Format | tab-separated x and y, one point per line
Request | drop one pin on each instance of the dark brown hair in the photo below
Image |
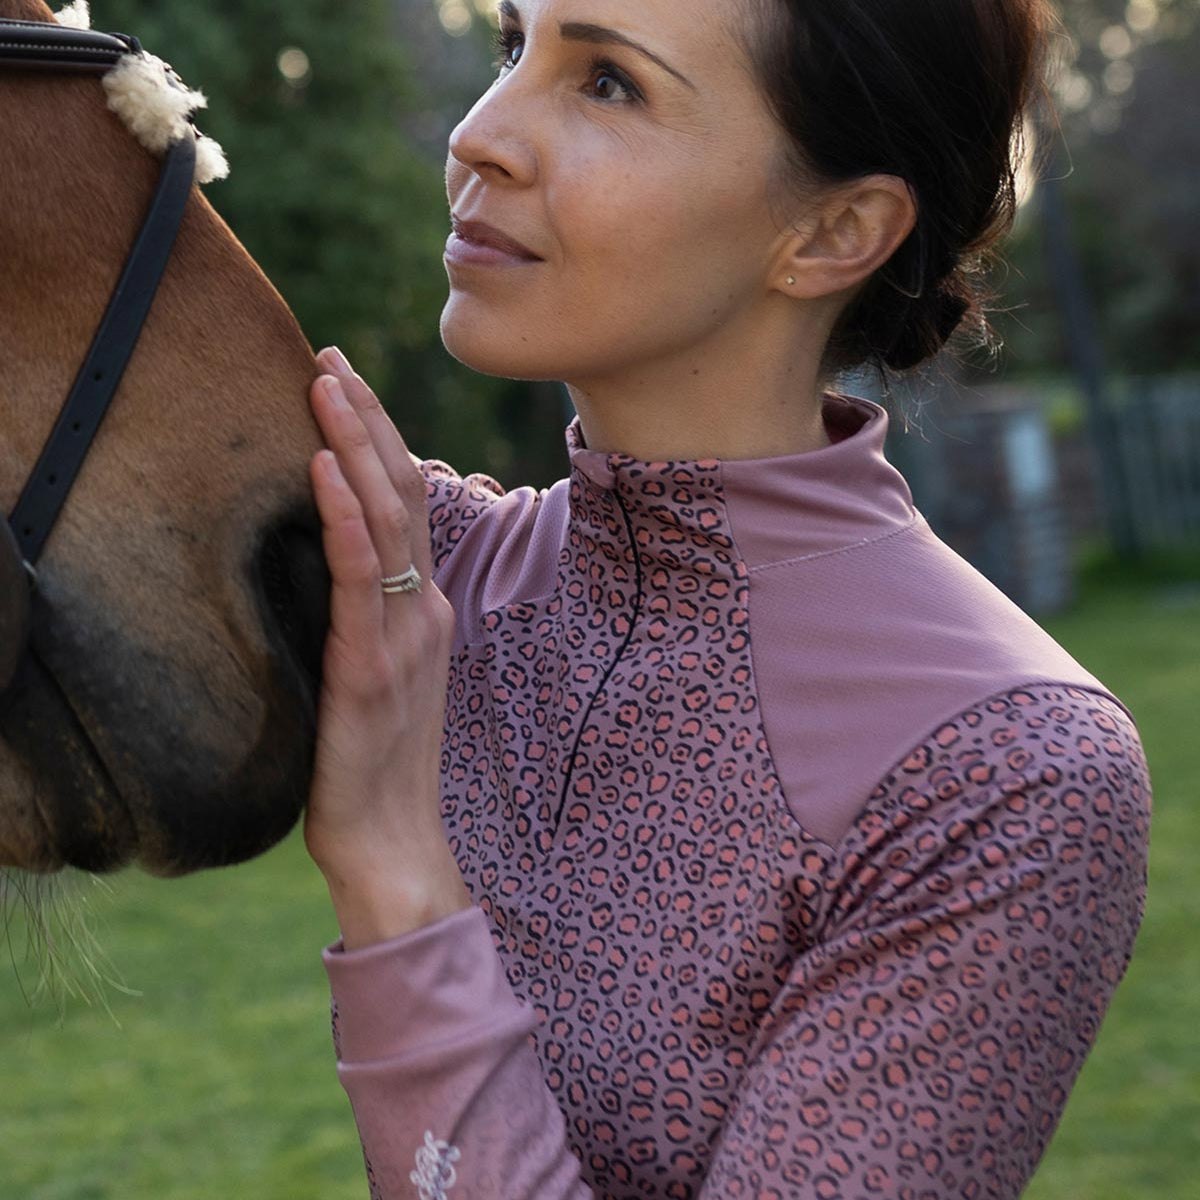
933	92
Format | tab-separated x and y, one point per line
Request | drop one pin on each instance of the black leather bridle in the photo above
32	45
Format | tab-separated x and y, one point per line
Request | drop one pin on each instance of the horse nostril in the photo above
295	585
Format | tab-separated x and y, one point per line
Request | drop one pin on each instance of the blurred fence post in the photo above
1159	423
985	476
1079	328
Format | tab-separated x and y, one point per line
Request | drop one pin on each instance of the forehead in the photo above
683	23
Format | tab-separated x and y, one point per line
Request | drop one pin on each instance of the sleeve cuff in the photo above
429	986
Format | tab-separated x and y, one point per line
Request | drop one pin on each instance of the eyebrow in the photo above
598	35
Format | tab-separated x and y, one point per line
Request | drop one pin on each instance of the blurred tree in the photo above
1128	92
452	44
328	190
335	119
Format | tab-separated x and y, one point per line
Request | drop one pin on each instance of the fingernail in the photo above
338	361
333	390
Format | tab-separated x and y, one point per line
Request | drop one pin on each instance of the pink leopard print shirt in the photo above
806	865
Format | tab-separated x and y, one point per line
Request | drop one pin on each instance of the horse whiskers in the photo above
47	922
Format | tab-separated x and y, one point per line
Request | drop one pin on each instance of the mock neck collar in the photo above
791	506
846	418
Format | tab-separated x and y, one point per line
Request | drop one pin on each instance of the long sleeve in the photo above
976	920
446	1088
985	909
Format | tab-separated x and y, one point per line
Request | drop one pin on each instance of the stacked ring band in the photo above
410	581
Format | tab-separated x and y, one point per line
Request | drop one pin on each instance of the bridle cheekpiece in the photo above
38	46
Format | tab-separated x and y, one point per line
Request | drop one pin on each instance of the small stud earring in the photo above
791	280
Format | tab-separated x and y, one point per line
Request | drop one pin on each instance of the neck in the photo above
73	194
737	396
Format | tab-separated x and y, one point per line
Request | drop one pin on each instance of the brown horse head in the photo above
165	709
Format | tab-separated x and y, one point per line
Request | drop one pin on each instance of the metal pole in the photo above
1087	357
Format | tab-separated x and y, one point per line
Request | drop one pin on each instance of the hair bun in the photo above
948	313
928	323
933	93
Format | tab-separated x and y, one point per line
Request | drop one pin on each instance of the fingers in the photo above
400	465
383	508
356	600
396	456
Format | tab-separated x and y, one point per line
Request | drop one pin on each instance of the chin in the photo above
491	345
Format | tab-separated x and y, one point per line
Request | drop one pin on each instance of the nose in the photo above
294	586
494	140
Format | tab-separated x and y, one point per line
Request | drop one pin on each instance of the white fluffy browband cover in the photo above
153	102
156	110
75	16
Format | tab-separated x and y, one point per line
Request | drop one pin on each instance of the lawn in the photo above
218	1083
1132	1128
214	1079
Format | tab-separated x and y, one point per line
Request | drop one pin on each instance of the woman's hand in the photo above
372	824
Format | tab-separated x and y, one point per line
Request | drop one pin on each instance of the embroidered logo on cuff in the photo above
435	1174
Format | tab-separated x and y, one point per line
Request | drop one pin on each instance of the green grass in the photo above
1132	1128
218	1081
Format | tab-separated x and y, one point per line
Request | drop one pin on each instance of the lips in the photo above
479	233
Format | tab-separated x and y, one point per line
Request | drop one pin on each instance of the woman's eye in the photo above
609	84
509	46
606	81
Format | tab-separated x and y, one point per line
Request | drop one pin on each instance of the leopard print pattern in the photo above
728	1006
979	916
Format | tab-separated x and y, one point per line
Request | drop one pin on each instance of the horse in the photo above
164	709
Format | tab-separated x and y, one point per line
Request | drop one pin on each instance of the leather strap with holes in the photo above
46	491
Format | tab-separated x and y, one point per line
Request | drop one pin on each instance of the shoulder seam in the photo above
477	637
930	730
916	520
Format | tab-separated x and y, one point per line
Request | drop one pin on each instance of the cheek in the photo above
650	250
660	222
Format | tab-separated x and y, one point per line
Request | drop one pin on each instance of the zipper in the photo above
633	620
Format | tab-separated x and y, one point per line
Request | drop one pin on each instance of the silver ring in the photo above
410	581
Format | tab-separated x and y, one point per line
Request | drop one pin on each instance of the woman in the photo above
777	853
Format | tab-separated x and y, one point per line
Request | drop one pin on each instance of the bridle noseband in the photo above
30	45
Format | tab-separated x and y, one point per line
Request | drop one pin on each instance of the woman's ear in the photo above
845	237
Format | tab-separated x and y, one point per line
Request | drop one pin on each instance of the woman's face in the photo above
627	147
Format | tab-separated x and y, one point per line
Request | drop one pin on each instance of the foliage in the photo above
1128	156
346	214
